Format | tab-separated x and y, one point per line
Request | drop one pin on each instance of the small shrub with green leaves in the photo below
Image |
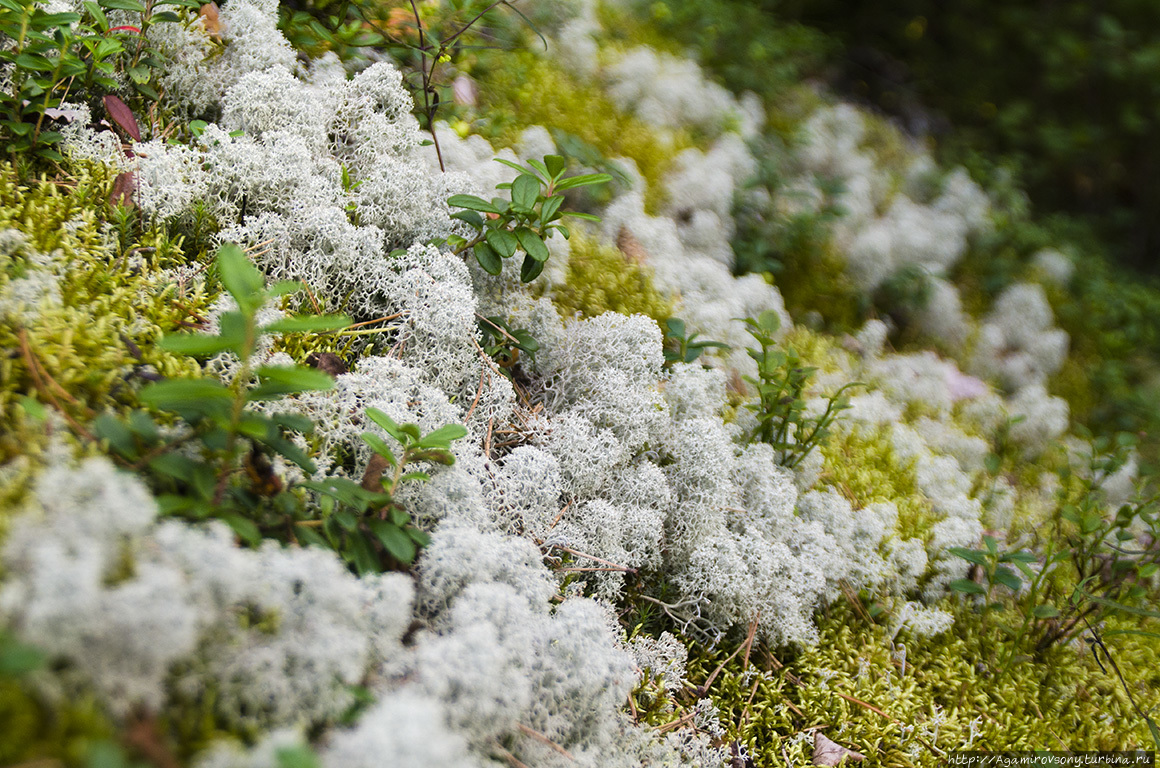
504	345
230	476
682	347
56	55
523	223
781	383
364	521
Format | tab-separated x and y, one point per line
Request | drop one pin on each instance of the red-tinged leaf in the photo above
122	116
126	28
123	188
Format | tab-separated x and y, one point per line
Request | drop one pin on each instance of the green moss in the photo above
602	279
36	731
812	277
889	147
521	89
85	353
862	465
949	694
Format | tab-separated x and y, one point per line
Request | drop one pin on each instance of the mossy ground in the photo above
908	701
521	89
601	279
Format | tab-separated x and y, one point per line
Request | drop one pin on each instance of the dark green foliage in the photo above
231	477
781	385
1065	93
504	345
680	348
523	223
57	56
364	522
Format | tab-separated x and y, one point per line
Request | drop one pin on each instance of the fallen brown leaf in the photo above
828	752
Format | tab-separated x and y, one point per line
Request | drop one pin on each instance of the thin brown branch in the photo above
592	557
746	645
543	740
560	515
511	759
478	394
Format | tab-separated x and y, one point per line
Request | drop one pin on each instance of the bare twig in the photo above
560	515
704	687
592	557
543	740
511	759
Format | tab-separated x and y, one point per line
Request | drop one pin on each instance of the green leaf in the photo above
549	209
970	555
308	324
442	437
471	217
555	165
295	422
532	244
35	62
282	287
309	536
120	437
769	322
436	455
1045	612
509	164
578	215
57	19
285	448
471	202
1025	569
582	181
359	553
296	757
278	380
530	269
18	128
525	190
199	345
386	422
123	5
175	394
504	242
419	537
967	586
241	278
105	754
1007	578
256	426
399	544
540	168
488	258
245	528
174	465
17	659
379	446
